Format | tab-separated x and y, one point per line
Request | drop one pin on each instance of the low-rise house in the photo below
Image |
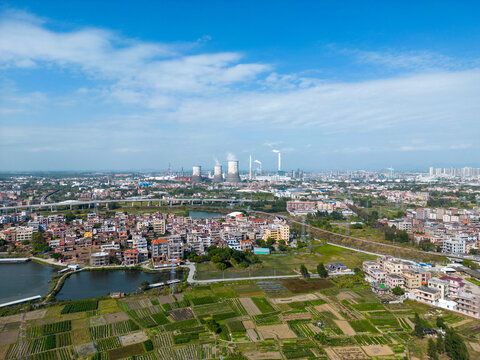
337	267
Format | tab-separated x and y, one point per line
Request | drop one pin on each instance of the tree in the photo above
56	256
69	216
432	350
39	244
440	344
144	285
473	252
455	346
304	271
419	326
221	266
441	323
397	290
212	325
322	272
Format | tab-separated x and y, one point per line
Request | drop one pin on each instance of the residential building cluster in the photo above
445	291
134	238
454	231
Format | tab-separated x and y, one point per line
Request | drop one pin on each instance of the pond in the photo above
24	280
87	284
203	215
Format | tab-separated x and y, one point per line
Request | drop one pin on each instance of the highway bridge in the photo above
168	201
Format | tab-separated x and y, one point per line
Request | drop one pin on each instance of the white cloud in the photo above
133	67
164	96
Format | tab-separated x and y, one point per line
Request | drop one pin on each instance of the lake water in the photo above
203	215
86	284
19	281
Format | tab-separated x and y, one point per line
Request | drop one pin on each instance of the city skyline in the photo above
330	86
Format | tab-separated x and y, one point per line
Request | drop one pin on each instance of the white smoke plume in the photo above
230	156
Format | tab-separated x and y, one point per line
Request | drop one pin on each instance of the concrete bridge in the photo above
168	201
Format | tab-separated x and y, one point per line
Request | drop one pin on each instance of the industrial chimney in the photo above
217	174
232	174
196	174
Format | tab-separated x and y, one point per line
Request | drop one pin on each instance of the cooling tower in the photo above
232	174
217	174
196	174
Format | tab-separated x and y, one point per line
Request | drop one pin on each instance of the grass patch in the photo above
263	305
363	326
303	285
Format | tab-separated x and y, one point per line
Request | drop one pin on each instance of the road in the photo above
94	202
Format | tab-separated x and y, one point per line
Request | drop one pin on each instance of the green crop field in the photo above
291	318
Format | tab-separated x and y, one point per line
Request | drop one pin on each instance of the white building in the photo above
454	246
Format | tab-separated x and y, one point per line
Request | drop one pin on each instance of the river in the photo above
24	280
87	284
203	215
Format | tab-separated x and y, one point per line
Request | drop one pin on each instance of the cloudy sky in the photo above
94	85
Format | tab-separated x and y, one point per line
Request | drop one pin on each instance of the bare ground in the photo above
345	327
263	355
252	334
377	350
86	349
297	316
115	317
134	338
305	297
280	331
8	337
250	306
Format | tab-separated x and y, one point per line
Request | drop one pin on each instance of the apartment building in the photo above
23	233
415	278
175	247
468	303
394	280
454	246
427	295
301	207
158	226
277	232
99	259
456	285
368	266
130	256
377	276
441	285
159	248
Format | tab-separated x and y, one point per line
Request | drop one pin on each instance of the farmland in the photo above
275	319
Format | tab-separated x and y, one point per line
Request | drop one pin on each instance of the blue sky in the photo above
94	85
